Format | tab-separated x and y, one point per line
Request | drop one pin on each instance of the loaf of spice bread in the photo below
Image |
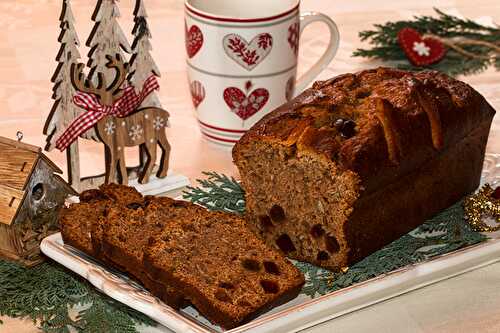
357	161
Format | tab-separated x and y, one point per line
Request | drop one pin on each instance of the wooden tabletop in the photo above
28	45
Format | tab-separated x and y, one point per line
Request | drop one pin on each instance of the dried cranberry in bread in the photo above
359	160
221	267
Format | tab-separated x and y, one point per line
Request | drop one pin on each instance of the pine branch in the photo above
217	192
385	44
97	318
46	293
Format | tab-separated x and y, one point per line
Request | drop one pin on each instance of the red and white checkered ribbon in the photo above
122	107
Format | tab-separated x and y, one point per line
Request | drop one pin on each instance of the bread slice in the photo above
78	221
127	231
221	267
112	207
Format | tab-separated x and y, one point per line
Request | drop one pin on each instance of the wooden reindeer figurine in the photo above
144	127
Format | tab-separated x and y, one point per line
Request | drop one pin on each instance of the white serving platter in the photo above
291	317
301	312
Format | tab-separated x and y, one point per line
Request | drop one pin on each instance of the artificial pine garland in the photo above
471	47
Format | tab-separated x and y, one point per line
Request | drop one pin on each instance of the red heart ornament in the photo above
420	51
496	193
194	40
245	106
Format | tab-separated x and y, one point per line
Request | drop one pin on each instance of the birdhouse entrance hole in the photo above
38	192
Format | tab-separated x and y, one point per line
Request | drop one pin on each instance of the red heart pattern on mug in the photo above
243	105
197	93
420	51
248	54
194	40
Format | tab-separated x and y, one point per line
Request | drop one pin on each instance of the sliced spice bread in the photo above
113	207
127	231
228	273
78	221
221	267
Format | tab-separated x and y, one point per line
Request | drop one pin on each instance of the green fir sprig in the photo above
217	192
48	292
477	46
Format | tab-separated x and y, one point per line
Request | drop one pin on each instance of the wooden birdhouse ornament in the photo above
31	191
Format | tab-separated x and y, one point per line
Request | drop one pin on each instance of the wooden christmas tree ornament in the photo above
31	191
64	110
101	94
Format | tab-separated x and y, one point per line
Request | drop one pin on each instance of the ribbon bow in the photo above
122	107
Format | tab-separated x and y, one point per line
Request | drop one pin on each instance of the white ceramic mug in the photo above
242	60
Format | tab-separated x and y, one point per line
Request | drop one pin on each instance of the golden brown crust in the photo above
423	113
394	210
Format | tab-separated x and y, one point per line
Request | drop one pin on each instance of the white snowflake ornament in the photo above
135	132
421	49
110	127
158	123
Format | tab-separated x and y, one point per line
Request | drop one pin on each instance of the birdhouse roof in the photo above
17	161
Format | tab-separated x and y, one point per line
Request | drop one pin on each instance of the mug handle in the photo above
306	19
